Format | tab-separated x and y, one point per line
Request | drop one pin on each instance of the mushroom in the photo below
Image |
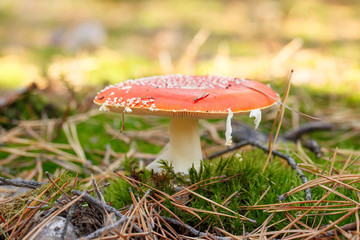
185	99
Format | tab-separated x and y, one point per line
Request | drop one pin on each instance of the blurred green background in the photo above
92	42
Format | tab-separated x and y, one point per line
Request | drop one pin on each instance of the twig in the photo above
204	95
191	230
242	132
313	146
291	162
97	204
48	176
296	134
20	183
101	231
97	190
67	221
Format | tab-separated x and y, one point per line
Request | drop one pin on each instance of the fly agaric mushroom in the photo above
185	99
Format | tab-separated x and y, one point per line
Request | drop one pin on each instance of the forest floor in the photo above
62	161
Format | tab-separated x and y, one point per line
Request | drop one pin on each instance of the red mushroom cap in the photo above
199	97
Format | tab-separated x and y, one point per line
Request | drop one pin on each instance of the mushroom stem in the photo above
184	148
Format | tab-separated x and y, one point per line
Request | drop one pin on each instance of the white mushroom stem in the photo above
184	148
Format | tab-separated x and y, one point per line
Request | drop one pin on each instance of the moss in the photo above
243	177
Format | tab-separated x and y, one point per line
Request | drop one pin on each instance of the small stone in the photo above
54	229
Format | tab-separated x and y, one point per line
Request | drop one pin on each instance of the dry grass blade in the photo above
222	179
277	233
158	224
261	226
167	209
302	155
75	180
25	209
194	186
262	196
97	190
205	211
339	229
303	214
333	224
190	229
224	203
54	183
357	224
280	113
282	104
171	197
340	194
228	234
40	147
333	161
325	210
18	152
31	211
187	60
291	218
264	224
39	169
72	137
129	180
219	219
324	180
281	207
138	210
134	212
346	164
341	183
174	233
186	209
36	207
292	203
